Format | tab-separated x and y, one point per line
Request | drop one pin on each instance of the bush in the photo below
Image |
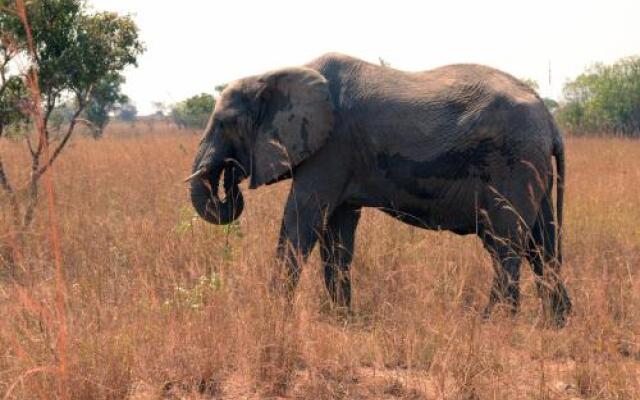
606	98
193	112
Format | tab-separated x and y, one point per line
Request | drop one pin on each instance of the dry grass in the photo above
161	305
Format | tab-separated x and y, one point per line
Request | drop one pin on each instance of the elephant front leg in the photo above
302	224
336	252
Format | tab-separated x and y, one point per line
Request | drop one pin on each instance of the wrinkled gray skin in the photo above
463	148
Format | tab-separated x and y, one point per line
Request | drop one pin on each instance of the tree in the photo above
161	109
105	97
551	104
13	101
69	53
61	115
605	98
194	112
13	93
127	112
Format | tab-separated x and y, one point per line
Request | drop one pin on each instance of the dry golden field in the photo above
161	305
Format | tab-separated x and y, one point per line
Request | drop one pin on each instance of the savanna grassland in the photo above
159	304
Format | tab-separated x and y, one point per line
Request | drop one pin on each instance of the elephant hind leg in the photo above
336	252
506	282
503	225
542	254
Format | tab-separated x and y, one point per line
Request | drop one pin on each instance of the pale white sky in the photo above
193	45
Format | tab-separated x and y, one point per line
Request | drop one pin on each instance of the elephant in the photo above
463	148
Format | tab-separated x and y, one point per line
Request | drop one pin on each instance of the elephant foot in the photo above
511	311
557	306
338	313
508	295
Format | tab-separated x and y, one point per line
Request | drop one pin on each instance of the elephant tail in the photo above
558	153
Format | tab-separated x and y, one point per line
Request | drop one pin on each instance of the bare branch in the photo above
6	57
60	147
33	191
3	78
4	182
49	104
8	189
30	145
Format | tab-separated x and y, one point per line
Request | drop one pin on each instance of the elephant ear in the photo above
295	120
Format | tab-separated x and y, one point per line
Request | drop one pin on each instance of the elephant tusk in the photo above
195	175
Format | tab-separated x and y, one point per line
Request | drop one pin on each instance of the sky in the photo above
193	45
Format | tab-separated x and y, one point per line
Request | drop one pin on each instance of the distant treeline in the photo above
605	99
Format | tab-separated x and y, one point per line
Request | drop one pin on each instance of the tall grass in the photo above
162	305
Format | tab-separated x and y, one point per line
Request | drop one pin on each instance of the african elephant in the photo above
463	148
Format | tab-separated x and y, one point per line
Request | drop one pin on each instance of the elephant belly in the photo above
461	223
436	205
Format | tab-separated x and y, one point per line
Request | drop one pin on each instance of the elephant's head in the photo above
263	127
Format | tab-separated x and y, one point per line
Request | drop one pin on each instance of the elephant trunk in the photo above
205	199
